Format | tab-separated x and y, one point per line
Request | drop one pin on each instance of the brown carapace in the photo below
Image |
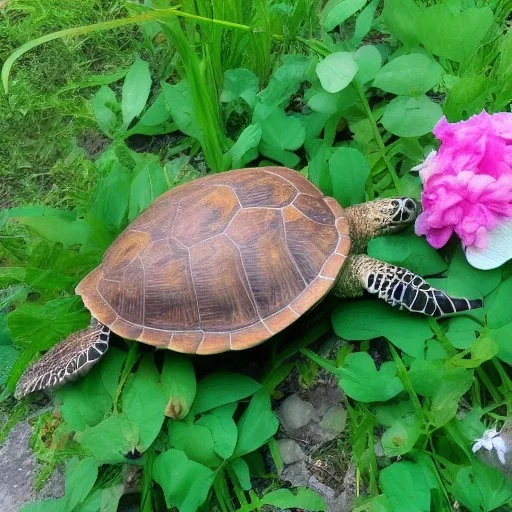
222	263
227	261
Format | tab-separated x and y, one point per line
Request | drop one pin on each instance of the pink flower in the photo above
467	183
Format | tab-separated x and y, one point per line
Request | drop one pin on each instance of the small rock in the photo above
334	419
323	397
297	474
294	413
290	451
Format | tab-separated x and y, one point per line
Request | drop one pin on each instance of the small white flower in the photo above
490	440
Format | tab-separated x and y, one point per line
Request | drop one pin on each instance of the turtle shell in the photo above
221	263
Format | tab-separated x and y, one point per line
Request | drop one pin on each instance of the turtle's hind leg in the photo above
397	286
66	361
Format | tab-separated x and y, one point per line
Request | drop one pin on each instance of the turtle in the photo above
227	261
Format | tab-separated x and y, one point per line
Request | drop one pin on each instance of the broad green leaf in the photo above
336	71
411	117
224	431
337	11
85	403
8	356
143	402
364	23
481	350
499	319
221	388
406	487
360	379
111	198
105	106
466	98
404	427
195	440
368	319
318	168
401	19
279	130
183	111
241	470
245	148
286	80
135	93
481	488
179	385
110	441
453	35
409	75
461	331
408	250
369	62
147	184
240	83
443	384
378	503
349	171
185	483
155	121
303	498
257	424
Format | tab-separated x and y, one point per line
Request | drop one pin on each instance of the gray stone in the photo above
295	413
297	474
19	469
290	451
334	419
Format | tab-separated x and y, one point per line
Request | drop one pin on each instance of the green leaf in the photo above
409	75
257	424
360	379
408	332
147	184
404	427
222	388
453	35
155	121
378	503
349	171
179	385
411	117
483	349
303	498
8	356
279	130
336	71
364	23
195	440
401	19
185	483
461	331
337	11
183	111
286	80
406	487
240	83
245	148
499	319
407	250
85	403
467	97
136	89
105	106
223	429
443	384
369	62
143	401
241	470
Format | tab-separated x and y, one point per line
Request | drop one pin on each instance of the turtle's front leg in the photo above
67	360
397	286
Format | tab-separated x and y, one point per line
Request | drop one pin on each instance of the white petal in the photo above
487	444
499	444
501	456
498	250
477	446
490	433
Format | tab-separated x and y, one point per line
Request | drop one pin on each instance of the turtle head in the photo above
380	217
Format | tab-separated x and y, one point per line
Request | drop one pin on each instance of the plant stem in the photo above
377	137
488	384
441	337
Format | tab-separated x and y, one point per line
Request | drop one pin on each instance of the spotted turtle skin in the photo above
221	263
